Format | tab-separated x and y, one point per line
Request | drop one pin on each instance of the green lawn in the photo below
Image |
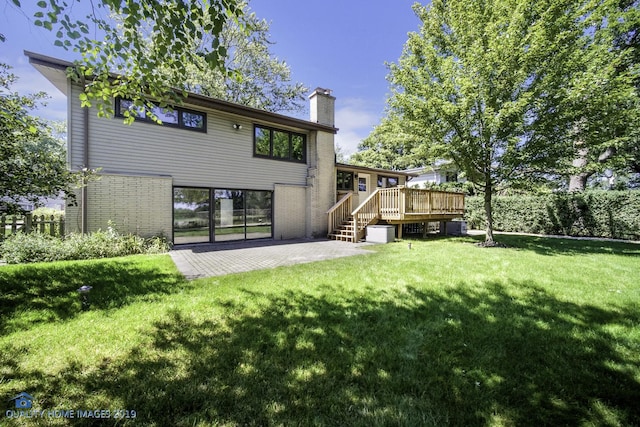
546	332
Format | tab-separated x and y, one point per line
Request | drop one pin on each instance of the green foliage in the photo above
37	247
500	86
48	213
260	80
612	214
458	187
391	145
32	157
122	46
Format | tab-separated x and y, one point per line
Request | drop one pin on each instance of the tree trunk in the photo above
488	190
578	182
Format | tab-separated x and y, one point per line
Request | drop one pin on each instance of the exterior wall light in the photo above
236	126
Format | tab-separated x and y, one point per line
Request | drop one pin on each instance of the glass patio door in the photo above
229	217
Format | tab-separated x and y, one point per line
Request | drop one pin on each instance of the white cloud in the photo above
355	118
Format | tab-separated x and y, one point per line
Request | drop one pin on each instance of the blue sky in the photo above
337	44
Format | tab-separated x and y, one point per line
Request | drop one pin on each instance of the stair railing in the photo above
339	212
367	213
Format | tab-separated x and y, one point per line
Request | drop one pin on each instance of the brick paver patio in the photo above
208	260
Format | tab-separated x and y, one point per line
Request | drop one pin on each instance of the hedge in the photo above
614	214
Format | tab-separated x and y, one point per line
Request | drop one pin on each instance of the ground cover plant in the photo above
544	332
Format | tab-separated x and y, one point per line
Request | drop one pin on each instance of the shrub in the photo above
21	247
613	214
48	213
35	247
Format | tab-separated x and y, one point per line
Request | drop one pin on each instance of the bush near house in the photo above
37	247
613	214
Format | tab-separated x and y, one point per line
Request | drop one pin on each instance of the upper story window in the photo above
279	144
174	117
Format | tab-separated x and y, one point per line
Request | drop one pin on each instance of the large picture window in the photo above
279	144
172	117
236	215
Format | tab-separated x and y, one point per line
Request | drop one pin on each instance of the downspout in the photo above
85	160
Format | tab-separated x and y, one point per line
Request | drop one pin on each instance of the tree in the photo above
171	25
32	159
261	80
603	93
393	144
482	80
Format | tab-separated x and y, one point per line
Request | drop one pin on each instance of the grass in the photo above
546	332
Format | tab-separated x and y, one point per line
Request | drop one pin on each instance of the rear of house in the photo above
214	171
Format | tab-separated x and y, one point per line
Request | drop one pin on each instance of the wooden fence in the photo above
29	223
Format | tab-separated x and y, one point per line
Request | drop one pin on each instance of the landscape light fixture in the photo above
84	296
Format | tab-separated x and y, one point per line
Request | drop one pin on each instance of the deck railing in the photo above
340	212
403	204
429	202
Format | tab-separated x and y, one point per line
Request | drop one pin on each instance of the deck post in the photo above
354	239
399	231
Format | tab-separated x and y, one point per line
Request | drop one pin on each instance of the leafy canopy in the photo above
264	81
32	158
121	46
477	77
498	85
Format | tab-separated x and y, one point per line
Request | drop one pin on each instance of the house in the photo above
23	401
439	173
214	171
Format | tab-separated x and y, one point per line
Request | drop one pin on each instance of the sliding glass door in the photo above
236	215
229	215
191	215
258	214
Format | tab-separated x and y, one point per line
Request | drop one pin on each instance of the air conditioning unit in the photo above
456	228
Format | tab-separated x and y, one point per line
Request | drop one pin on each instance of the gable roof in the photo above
55	70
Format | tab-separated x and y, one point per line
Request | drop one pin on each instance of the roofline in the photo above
384	171
203	101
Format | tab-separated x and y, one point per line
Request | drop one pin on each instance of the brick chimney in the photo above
322	107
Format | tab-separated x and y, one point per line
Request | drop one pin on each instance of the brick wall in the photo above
135	204
289	212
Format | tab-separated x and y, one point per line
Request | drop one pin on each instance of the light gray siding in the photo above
221	157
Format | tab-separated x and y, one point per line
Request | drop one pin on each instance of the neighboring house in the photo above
214	171
439	173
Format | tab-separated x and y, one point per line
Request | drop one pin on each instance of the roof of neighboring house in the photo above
55	70
345	166
441	165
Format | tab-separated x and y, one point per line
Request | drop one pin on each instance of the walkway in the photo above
207	260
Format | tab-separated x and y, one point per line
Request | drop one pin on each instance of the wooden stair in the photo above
344	232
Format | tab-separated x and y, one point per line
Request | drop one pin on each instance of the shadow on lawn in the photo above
48	291
390	357
564	246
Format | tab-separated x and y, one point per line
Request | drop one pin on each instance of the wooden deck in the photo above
397	205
